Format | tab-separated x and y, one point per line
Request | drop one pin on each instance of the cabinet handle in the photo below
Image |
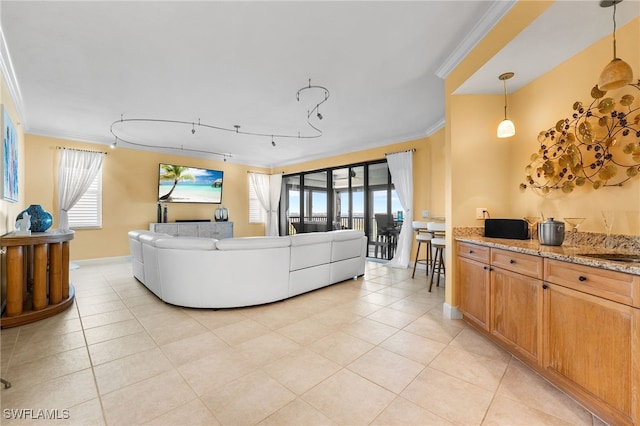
582	278
544	286
470	251
485	268
512	261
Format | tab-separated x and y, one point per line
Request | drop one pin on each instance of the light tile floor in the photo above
376	350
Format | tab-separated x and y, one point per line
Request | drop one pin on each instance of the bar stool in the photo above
422	236
438	245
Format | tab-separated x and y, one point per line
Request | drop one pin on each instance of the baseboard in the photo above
102	260
451	312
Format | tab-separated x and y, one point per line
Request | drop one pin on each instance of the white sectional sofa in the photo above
208	273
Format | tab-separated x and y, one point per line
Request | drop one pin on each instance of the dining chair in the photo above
387	234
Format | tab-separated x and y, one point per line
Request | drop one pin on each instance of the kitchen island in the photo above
572	317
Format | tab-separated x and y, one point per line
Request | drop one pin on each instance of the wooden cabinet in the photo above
500	291
217	230
591	344
578	326
515	307
473	274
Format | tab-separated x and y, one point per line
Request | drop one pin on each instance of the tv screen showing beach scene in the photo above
181	184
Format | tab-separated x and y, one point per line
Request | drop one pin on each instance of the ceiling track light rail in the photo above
118	125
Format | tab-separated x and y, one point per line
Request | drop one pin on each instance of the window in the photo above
350	194
257	214
87	212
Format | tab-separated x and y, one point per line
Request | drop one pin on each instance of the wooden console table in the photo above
37	276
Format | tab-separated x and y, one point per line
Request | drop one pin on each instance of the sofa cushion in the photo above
308	250
186	243
346	234
347	244
253	243
310	238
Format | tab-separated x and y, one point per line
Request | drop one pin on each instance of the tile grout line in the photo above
93	373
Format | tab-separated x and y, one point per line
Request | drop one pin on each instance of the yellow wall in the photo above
540	104
130	185
10	210
466	180
130	188
484	171
481	160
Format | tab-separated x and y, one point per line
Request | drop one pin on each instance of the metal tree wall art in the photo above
598	146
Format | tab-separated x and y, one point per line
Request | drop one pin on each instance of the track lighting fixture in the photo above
119	127
114	143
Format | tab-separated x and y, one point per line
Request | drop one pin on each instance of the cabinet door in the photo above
591	341
474	291
516	302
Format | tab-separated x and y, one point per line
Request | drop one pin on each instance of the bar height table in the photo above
37	276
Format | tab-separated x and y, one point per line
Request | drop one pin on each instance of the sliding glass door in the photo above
314	206
345	197
348	199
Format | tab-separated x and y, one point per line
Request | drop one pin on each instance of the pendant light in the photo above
506	128
617	73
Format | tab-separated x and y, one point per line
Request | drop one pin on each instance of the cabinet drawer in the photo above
525	264
616	286
473	251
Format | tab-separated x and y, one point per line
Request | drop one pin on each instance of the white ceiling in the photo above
562	31
81	65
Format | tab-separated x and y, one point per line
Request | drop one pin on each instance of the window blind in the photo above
87	212
256	213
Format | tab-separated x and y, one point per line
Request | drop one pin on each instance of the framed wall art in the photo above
9	158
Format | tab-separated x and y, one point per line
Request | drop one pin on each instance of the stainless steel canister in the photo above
551	232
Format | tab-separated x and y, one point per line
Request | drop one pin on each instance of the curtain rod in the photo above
82	150
406	150
264	173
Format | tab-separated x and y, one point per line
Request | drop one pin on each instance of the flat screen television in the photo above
181	184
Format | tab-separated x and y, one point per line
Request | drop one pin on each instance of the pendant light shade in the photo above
617	73
506	128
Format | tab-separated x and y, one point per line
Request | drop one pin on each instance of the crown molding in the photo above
491	17
70	136
435	127
9	75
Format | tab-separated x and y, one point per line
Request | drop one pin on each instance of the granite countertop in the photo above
566	252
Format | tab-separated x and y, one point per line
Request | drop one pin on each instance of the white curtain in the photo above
76	171
401	169
272	216
268	189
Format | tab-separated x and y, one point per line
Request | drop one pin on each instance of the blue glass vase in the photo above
41	220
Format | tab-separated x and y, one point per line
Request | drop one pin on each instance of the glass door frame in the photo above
330	191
